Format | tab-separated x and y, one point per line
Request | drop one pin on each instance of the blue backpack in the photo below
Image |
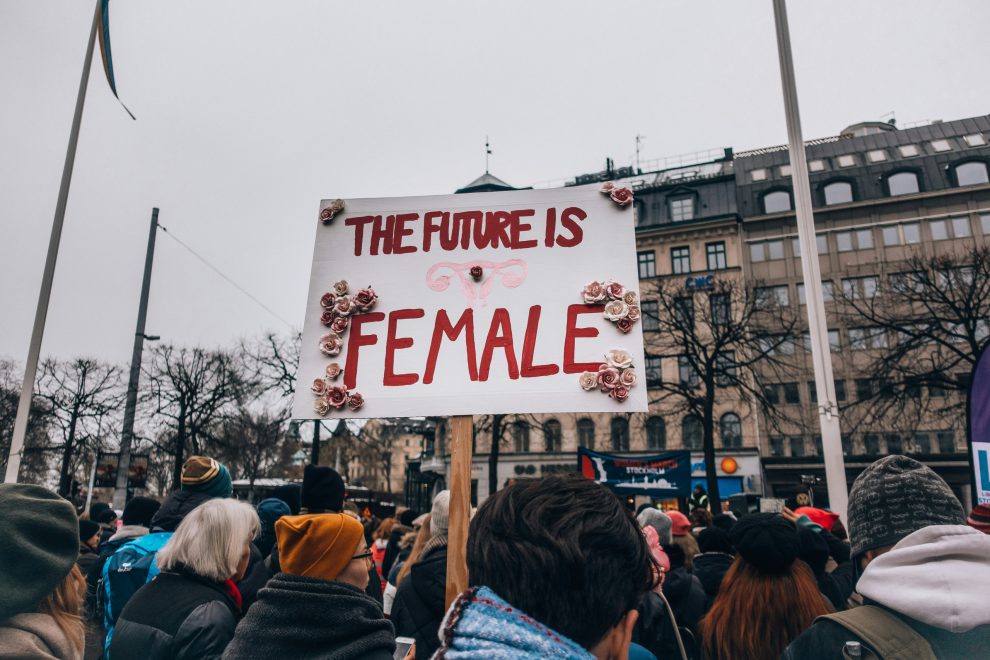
127	570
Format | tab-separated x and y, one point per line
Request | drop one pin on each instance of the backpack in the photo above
127	570
885	633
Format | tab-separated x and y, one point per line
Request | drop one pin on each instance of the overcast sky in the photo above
250	112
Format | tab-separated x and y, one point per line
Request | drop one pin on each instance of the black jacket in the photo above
307	618
176	616
710	568
686	596
418	608
176	507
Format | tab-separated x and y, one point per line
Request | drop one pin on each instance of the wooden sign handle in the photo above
462	427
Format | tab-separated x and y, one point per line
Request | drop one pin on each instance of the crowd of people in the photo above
558	568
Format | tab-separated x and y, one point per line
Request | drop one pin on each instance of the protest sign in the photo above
978	435
472	304
660	476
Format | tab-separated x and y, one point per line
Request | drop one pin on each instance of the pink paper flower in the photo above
621	196
607	188
608	378
327	300
365	299
615	291
593	292
327	214
321	407
634	313
339	324
336	396
589	381
344	306
333	370
476	273
625	325
331	343
340	288
355	401
620	393
327	316
616	310
628	378
631	298
619	358
319	387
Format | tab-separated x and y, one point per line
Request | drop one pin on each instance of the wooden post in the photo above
460	505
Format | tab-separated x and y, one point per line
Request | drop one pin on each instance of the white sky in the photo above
250	112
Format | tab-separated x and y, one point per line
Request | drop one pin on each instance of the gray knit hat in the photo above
897	496
659	521
440	513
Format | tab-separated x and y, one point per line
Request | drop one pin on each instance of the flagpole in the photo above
37	333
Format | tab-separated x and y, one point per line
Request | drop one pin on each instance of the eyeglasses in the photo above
366	555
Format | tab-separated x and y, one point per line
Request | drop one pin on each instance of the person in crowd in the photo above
191	608
681	531
814	552
420	596
767	598
699	498
89	540
291	494
923	570
402	567
713	562
556	569
269	511
41	588
378	545
101	513
316	607
405	525
979	518
659	521
700	519
724	521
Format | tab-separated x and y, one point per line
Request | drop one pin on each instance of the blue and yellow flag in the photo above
104	35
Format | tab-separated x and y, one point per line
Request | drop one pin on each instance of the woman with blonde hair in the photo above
41	588
191	608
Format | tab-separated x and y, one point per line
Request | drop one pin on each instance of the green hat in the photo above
202	474
39	544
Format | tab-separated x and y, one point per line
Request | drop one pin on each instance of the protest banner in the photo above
660	476
508	302
978	431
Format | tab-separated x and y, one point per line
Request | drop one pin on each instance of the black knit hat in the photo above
713	539
88	529
96	509
897	496
767	541
323	490
39	543
140	511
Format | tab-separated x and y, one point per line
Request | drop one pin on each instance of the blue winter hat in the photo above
269	511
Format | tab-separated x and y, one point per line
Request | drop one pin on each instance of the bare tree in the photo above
84	396
37	443
249	444
919	331
273	360
730	340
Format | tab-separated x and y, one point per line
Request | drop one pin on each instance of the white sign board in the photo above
481	306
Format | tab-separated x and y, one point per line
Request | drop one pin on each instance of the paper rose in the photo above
607	188
331	343
339	325
634	313
476	273
631	298
589	381
593	292
615	291
340	288
621	196
337	396
321	407
620	393
616	310
619	358
333	370
365	299
355	401
327	300
319	386
625	325
608	378
327	316
328	213
344	306
628	377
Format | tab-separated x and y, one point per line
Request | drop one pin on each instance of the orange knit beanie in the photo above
318	545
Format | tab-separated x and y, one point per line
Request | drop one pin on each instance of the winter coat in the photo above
935	580
177	616
87	558
654	630
482	625
710	568
418	608
303	617
686	597
176	507
124	535
35	635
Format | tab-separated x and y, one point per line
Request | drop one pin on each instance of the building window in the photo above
647	264
871	443
867	338
946	442
907	233
840	390
985	223
681	208
620	434
725	368
922	443
776	446
816	445
716	255
586	433
847	444
784	170
552	437
971	173
730	430
686	373
860	239
777	201
792	393
908	150
770	296
859	288
766	250
822	241
654	371
877	155
650	311
894	444
834	344
692	432
721	308
846	160
817	165
975	140
940	145
680	260
797	445
520	437
864	389
802	296
902	183
684	312
758	175
950	228
838	192
656	433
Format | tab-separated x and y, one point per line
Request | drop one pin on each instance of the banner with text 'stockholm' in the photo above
504	302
